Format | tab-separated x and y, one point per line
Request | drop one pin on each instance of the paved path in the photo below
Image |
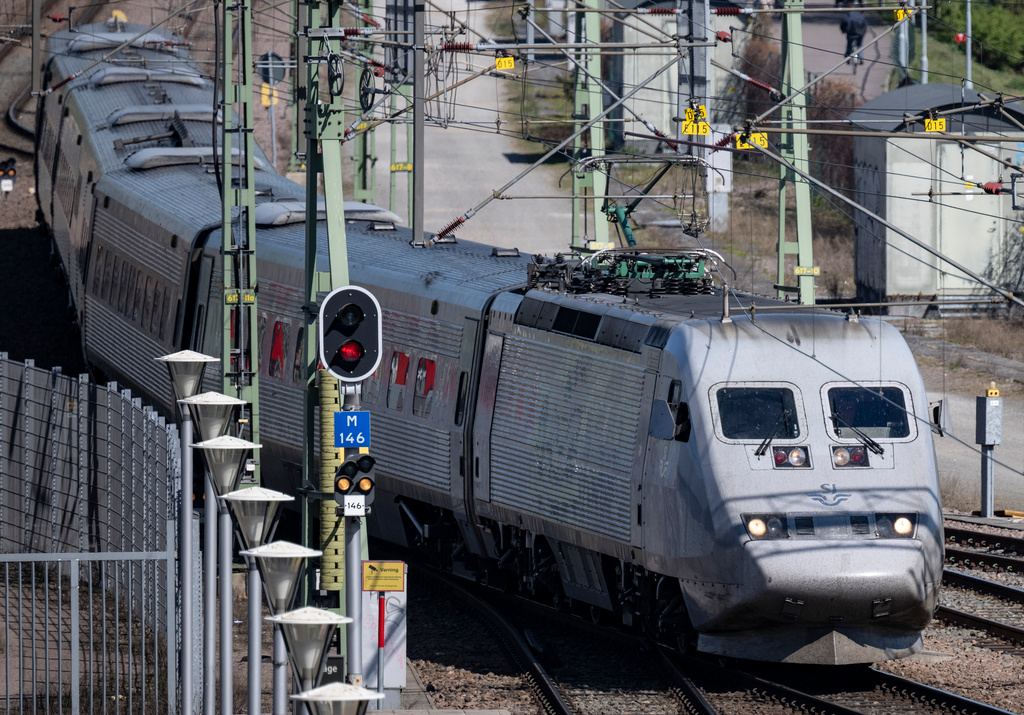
464	164
824	46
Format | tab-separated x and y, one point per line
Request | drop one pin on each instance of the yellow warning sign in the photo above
383	575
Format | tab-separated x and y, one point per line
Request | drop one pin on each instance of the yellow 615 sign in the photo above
759	138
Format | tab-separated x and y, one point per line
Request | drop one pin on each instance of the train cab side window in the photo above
460	403
680	412
399	376
876	412
278	339
423	396
758	413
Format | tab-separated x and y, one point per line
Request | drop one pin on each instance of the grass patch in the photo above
947	64
1004	338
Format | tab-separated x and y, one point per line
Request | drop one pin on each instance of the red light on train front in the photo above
780	457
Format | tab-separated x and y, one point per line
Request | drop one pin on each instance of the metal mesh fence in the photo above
88	515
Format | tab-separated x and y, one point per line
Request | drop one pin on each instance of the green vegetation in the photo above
947	64
996	30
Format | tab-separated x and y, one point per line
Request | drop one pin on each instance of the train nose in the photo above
832	584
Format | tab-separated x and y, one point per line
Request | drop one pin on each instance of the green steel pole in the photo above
794	148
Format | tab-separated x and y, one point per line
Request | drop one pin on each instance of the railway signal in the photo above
350	333
353	484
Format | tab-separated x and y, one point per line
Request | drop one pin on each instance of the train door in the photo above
197	301
480	469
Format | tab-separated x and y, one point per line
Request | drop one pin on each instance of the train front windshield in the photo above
878	412
758	413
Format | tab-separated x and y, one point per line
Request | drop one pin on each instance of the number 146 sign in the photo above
351	429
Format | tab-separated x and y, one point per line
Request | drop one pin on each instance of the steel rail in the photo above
980	559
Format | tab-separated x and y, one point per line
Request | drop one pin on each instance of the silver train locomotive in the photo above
599	431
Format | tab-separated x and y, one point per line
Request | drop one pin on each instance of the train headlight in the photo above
850	457
895	526
766	526
789	457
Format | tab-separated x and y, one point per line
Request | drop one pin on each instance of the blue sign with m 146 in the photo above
351	429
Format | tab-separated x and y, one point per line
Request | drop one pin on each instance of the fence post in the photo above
172	633
76	673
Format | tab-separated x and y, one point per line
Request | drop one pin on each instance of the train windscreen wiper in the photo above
771	435
868	442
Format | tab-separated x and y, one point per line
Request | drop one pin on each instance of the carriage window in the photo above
399	368
297	364
158	300
399	375
756	413
115	281
279	338
261	333
147	302
164	313
424	387
877	412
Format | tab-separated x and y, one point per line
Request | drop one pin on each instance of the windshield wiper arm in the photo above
771	435
868	442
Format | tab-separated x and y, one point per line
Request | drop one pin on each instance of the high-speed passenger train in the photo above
598	430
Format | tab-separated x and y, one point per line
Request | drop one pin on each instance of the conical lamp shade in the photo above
281	565
255	509
186	368
225	456
307	632
211	412
338	699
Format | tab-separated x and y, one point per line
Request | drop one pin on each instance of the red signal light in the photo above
960	38
351	351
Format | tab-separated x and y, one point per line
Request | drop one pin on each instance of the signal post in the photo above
349	337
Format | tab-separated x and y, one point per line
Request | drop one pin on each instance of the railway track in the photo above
975	549
573	666
986	606
868	691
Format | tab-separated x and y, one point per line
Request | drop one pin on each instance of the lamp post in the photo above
186	369
338	699
281	565
307	632
255	511
212	412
